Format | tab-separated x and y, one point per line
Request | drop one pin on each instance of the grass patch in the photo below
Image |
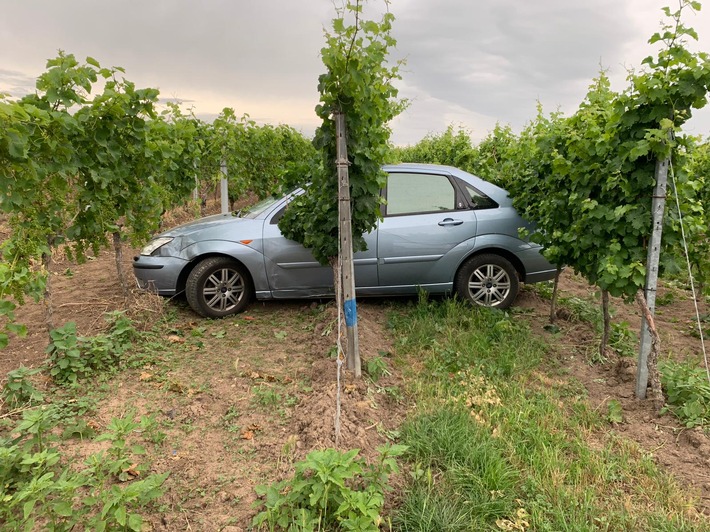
494	444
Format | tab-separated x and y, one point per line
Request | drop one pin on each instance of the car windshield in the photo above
255	210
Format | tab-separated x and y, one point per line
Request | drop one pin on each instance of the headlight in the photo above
155	244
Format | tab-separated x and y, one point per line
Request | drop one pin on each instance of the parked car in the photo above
443	230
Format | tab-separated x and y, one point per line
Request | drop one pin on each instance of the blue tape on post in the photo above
350	313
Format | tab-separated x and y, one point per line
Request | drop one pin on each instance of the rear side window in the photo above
480	200
419	193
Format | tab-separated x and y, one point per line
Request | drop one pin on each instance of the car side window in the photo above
419	193
480	200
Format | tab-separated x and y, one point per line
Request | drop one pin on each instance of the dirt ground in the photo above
239	400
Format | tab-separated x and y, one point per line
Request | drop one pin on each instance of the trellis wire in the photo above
340	356
690	272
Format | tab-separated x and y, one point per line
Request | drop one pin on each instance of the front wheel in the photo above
218	287
488	280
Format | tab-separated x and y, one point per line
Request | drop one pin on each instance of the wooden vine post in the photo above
346	271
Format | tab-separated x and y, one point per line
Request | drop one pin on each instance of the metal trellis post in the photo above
654	254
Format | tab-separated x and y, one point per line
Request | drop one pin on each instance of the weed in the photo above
615	413
78	428
265	396
219	334
198	332
150	427
667	298
288	450
457	337
688	392
376	368
229	419
290	400
18	390
120	463
393	392
472	465
622	339
330	490
40	491
583	310
66	361
695	330
72	358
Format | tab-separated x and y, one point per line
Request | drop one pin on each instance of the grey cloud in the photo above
16	83
501	57
469	62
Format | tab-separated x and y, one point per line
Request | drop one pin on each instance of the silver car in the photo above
442	230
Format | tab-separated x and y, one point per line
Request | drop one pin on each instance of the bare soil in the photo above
240	400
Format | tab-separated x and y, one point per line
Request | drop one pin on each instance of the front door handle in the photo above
450	221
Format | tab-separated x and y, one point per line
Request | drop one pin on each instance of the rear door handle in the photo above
450	221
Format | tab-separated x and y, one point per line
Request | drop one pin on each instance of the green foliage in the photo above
376	368
615	413
18	389
687	388
492	159
72	167
87	156
495	156
72	357
330	490
256	158
359	84
38	489
693	184
623	340
84	162
117	461
447	148
582	177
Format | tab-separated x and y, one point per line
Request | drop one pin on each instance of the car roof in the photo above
495	192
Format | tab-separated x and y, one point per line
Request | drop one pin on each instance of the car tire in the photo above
488	280
218	287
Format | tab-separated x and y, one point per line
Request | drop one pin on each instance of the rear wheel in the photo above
218	287
488	280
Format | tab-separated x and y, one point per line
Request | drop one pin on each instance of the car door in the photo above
293	271
427	227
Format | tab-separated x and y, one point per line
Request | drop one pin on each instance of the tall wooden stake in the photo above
347	284
654	254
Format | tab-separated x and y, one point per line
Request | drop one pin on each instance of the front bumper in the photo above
158	274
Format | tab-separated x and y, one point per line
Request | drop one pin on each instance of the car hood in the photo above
216	221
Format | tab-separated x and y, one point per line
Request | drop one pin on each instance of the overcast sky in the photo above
469	63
